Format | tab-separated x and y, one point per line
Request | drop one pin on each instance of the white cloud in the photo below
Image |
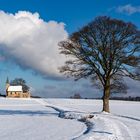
128	9
31	42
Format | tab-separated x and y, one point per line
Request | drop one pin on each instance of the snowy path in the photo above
104	126
109	127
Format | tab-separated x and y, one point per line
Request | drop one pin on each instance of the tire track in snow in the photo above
117	128
127	117
131	124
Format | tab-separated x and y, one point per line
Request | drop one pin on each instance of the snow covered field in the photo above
67	119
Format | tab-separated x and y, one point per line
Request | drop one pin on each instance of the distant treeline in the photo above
78	96
126	98
1	95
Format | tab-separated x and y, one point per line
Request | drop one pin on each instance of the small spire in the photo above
7	80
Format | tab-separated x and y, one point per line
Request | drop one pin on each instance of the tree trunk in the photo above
106	96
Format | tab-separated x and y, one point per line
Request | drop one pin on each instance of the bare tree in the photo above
105	50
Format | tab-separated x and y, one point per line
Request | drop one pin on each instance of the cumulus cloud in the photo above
32	42
128	9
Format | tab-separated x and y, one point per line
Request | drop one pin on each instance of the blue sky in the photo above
74	14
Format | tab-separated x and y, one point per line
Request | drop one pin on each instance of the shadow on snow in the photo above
28	112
